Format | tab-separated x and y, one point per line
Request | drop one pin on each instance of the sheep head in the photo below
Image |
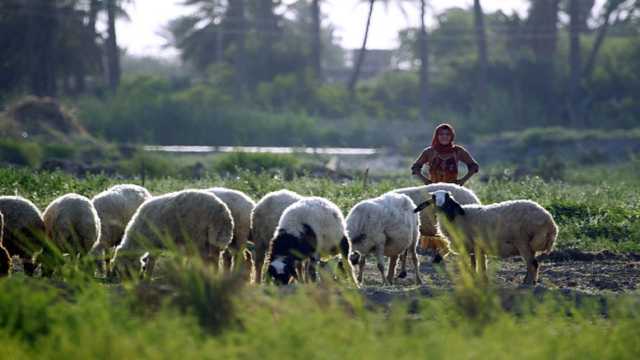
444	202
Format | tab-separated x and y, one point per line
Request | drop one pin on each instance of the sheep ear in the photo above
460	209
423	206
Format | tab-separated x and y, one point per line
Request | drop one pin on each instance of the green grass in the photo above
200	315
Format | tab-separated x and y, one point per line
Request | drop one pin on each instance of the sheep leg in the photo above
532	264
403	265
227	260
472	260
380	259
361	265
416	267
258	263
481	264
312	274
393	261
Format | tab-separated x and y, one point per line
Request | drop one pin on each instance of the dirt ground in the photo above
566	271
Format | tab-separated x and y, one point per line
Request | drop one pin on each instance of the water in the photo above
263	149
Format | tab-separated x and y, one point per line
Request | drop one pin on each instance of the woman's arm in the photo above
416	168
472	165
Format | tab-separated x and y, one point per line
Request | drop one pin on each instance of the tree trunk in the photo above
94	7
113	53
575	60
424	65
481	42
358	65
238	29
317	39
266	27
41	29
601	35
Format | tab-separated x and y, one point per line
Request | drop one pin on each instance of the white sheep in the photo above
431	238
510	228
309	229
23	234
115	207
264	221
241	207
72	224
192	220
387	226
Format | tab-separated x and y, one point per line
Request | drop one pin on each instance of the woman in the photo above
442	157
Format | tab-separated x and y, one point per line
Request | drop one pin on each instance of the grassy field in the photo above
200	315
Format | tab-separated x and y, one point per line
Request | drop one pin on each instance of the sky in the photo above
142	34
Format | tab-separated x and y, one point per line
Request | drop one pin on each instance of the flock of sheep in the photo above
126	230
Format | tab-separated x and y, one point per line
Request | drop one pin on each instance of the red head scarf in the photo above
435	144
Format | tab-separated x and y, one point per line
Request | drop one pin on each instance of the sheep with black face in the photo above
309	229
264	221
510	228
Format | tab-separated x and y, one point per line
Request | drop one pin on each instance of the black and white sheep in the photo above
309	229
386	226
510	228
241	207
264	221
72	224
191	220
431	238
115	207
24	233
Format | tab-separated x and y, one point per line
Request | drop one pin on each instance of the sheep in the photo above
510	228
72	224
431	239
115	207
387	226
24	234
309	229
189	219
5	258
241	207
264	221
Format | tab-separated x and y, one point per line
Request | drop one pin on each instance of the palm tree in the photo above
112	51
358	64
481	41
424	64
317	39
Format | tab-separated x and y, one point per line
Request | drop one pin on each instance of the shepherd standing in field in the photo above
442	157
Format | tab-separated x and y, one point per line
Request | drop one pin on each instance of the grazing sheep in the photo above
115	207
308	229
5	258
510	228
24	234
192	220
431	239
386	226
72	224
264	221
241	207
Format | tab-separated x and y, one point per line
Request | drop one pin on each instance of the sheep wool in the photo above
72	223
431	237
188	219
115	207
264	221
23	232
388	226
309	229
510	228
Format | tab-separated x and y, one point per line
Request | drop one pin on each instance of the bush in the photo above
20	152
256	162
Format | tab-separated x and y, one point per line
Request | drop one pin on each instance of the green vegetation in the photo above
198	314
